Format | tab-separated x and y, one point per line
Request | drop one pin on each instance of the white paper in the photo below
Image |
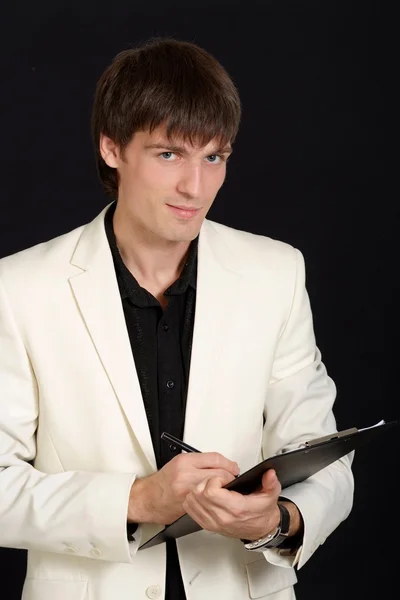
377	425
304	445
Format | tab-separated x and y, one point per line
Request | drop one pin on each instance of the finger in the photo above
210	503
211	494
211	460
270	483
205	474
200	487
267	481
201	515
219	509
223	476
212	484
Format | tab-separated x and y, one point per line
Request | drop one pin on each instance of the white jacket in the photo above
70	401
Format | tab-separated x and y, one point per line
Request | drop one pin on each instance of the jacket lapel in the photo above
97	294
216	306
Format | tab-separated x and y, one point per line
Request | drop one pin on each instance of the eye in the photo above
168	156
215	158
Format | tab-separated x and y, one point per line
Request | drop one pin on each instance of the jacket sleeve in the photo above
299	407
77	512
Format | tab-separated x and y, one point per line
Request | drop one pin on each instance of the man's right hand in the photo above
158	498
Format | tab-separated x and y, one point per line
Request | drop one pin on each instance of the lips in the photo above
184	207
183	212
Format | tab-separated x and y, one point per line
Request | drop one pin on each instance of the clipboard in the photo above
293	466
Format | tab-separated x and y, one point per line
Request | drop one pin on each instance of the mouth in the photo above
184	212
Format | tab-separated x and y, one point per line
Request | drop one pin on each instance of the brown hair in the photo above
163	81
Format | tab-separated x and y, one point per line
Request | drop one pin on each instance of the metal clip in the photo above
331	436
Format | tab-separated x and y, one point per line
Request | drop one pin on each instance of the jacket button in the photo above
170	384
153	591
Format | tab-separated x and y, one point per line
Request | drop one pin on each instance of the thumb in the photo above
269	481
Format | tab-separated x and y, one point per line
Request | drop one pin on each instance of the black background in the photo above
308	168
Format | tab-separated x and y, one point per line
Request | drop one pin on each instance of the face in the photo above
166	188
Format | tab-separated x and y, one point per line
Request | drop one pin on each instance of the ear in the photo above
109	151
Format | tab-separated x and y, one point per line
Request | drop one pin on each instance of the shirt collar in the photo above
129	286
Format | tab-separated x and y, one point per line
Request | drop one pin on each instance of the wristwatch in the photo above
276	537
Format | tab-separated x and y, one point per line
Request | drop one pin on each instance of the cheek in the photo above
158	180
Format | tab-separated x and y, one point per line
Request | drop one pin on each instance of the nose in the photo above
190	181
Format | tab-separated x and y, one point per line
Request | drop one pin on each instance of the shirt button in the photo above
165	327
172	447
70	550
153	591
95	552
170	384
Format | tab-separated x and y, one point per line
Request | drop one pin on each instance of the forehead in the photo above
159	138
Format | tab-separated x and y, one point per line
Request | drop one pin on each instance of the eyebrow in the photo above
182	150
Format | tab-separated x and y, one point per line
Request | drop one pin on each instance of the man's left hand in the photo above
232	514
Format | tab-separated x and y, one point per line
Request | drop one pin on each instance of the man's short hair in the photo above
163	81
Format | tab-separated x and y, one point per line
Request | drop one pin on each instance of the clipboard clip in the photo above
331	436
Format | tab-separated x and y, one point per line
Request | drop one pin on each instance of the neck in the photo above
148	257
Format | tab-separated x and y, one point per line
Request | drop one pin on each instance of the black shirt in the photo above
161	341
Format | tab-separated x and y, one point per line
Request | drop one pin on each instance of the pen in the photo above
170	438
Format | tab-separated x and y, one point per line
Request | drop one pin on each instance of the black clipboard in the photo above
291	467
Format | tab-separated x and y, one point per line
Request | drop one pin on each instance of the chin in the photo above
183	238
186	234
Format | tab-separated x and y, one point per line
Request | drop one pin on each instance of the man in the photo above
99	329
